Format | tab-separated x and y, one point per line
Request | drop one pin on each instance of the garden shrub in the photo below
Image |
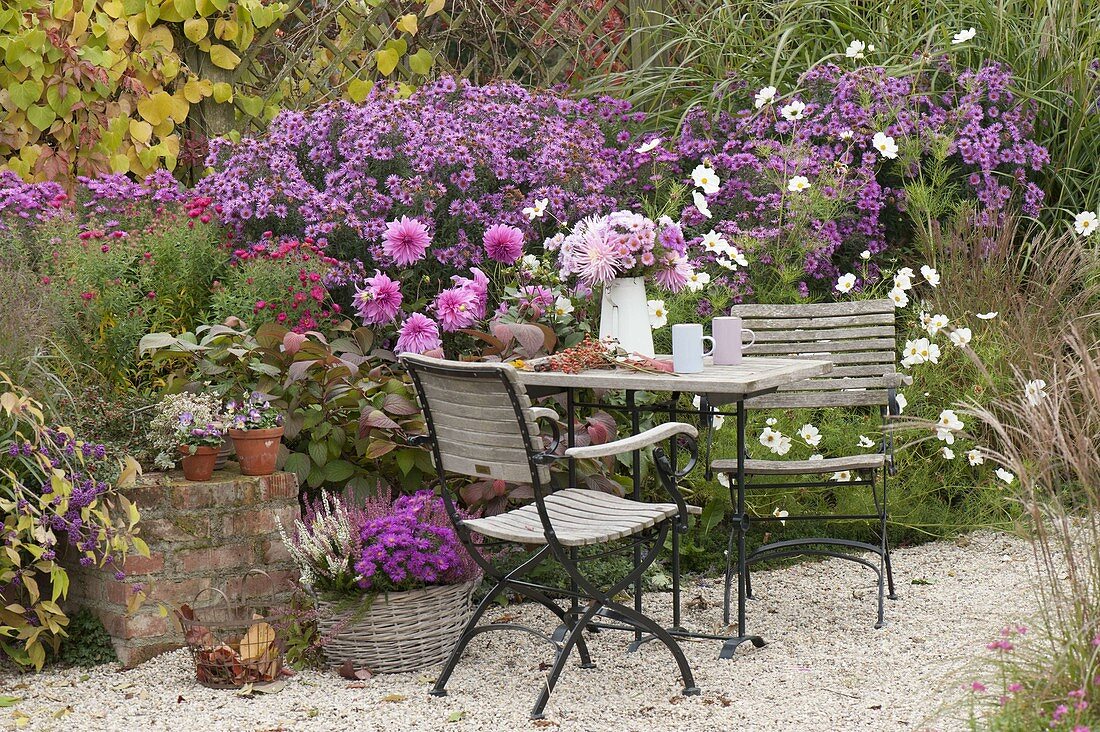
57	493
87	643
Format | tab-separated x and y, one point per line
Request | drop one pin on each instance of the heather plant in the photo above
57	493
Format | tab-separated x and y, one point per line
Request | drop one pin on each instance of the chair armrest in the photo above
635	442
545	413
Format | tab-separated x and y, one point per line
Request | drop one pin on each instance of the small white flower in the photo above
960	336
985	316
715	243
563	306
706	179
1005	475
696	281
845	283
945	435
784	445
739	257
779	514
885	145
930	275
901	401
913	353
936	323
903	281
1033	390
930	352
765	96
724	480
907	271
865	254
865	441
717	421
658	315
963	36
770	439
530	262
648	146
843	476
948	420
947	452
725	262
810	435
975	457
771	421
855	49
846	135
697	402
899	297
793	111
700	202
1085	223
798	184
816	456
538	210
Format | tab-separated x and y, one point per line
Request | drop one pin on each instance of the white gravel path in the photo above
824	668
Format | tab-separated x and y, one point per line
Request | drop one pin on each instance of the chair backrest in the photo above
857	336
479	418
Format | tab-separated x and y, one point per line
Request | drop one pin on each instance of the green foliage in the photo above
87	643
701	59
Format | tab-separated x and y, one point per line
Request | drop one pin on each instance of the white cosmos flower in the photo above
912	354
780	514
810	435
865	254
865	441
658	315
739	257
930	352
985	316
963	36
770	439
816	456
765	96
715	243
717	421
907	271
944	435
648	146
948	420
855	49
724	480
843	476
1005	475
700	202
936	323
563	306
725	262
960	336
947	453
771	421
793	111
899	297
784	445
845	283
530	262
1085	223
706	179
975	457
930	275
697	281
1033	390
538	210
925	319
901	401
885	145
798	184
846	134
903	281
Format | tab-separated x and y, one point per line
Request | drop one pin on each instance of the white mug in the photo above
687	348
728	340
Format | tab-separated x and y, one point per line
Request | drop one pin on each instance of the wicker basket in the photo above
396	632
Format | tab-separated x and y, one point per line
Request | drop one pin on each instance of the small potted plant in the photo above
391	580
199	446
176	415
257	430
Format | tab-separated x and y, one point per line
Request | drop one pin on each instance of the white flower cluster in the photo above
324	550
726	255
204	408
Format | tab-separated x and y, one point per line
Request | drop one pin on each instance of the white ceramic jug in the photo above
624	315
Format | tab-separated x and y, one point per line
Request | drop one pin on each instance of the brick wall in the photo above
200	536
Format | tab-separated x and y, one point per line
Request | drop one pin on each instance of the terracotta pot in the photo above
257	449
224	453
200	465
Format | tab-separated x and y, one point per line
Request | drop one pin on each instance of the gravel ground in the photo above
824	668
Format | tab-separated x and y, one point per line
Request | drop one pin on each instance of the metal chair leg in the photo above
559	662
648	624
440	687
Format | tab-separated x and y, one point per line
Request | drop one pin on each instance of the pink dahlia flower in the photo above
418	334
673	271
596	256
503	243
478	286
380	301
456	308
405	241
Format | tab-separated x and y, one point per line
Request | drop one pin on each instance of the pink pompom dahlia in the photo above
405	241
503	243
418	334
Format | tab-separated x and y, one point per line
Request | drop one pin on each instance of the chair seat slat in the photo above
802	335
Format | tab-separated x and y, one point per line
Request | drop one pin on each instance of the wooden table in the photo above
719	385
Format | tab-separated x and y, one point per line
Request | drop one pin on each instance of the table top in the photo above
751	376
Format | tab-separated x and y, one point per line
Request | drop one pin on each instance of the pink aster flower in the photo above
503	243
405	241
418	334
456	308
380	301
672	271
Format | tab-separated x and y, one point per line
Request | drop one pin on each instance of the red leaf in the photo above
397	404
377	419
602	428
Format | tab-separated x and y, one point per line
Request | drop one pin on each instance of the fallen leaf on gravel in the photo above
455	716
21	719
544	723
676	700
273	687
63	712
8	701
876	706
394	698
425	679
180	699
356	685
348	671
85	677
922	581
507	618
245	690
545	666
962	541
697	603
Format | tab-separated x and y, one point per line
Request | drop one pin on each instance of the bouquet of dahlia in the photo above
624	244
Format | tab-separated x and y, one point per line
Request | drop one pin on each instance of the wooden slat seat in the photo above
579	517
873	461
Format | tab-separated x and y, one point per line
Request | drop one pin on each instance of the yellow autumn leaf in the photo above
195	89
196	29
225	29
180	107
160	37
120	163
407	24
80	25
359	89
113	8
433	7
223	58
155	108
141	131
387	60
138	26
223	92
117	34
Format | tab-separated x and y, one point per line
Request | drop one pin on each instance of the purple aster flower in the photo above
418	334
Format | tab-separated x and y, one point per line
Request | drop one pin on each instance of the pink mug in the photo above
728	340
